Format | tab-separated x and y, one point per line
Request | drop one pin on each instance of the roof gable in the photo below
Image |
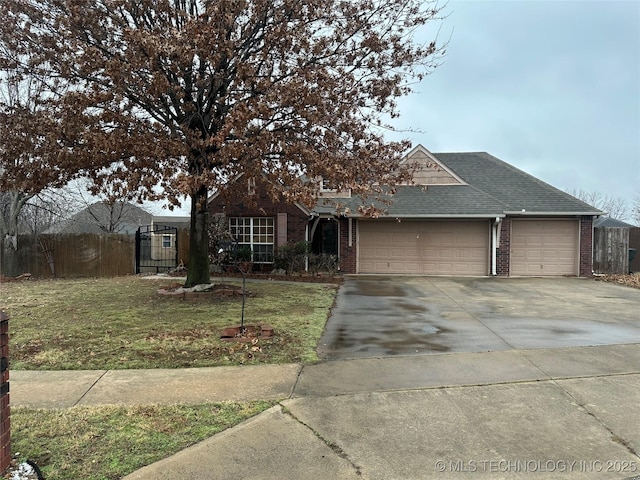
428	170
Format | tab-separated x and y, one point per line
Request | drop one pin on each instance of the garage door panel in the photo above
544	247
435	248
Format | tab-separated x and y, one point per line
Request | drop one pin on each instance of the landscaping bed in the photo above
632	280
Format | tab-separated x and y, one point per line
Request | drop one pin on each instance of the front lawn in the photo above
122	322
109	442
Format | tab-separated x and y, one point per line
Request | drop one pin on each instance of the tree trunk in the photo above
198	266
9	256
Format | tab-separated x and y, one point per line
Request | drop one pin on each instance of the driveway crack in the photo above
583	406
333	446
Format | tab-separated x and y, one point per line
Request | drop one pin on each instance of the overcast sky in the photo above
552	87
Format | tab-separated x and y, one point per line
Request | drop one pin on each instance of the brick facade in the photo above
260	205
503	251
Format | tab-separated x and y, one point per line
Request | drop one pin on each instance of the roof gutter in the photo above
439	215
525	213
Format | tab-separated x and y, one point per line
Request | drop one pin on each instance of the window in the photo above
325	186
257	233
251	185
166	241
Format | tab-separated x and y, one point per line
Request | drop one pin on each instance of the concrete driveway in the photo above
383	316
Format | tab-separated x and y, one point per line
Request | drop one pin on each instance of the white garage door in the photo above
544	247
419	247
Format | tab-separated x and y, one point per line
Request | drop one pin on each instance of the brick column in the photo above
5	423
347	253
586	246
503	254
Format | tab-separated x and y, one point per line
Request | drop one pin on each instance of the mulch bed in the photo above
336	279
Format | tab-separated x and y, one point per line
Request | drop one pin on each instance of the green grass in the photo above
108	442
122	322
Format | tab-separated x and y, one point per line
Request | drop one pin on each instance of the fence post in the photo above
137	254
5	422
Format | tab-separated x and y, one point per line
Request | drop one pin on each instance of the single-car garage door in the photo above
544	247
420	247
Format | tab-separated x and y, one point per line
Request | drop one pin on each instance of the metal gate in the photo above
156	248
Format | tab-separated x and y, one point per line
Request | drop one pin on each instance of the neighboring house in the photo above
163	236
100	217
465	214
610	222
169	221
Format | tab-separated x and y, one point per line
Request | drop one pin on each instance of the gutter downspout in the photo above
495	243
316	219
309	235
306	239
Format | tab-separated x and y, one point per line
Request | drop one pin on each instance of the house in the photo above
608	222
163	236
179	222
101	217
464	214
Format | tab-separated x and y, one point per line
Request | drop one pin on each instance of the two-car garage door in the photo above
424	247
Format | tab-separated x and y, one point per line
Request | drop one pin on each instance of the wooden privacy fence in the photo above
611	250
634	242
76	255
84	254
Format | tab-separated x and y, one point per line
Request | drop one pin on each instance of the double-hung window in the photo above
257	233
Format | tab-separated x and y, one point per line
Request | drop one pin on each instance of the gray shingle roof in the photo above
494	188
98	217
514	188
432	201
611	222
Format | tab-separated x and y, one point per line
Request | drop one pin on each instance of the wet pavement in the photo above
386	316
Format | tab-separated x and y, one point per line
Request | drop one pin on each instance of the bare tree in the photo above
615	207
19	95
186	95
44	210
635	209
103	213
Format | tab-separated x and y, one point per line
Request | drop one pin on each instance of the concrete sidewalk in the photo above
64	389
549	413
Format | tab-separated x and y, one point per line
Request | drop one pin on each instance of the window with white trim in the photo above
325	186
257	233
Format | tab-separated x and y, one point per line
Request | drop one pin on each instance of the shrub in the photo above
292	256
